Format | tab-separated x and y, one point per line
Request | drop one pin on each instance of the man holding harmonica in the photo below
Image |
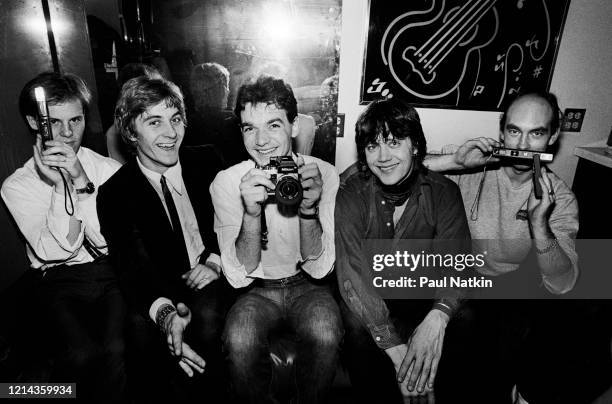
529	241
502	203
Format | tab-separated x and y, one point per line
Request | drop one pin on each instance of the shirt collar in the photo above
173	176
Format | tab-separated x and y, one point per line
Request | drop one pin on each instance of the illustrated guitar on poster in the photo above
470	53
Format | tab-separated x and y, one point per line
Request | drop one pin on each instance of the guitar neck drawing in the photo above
461	53
416	66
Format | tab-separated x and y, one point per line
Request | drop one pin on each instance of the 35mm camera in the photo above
284	174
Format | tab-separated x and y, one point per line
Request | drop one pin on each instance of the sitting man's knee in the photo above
243	328
322	327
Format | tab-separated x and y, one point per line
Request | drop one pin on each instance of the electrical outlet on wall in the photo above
340	125
572	120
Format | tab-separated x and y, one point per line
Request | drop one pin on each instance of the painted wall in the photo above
581	80
107	11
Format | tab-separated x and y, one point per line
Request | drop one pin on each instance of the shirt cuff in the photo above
156	305
565	282
322	264
315	257
235	271
215	259
386	336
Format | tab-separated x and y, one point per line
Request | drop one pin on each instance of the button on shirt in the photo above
41	216
282	255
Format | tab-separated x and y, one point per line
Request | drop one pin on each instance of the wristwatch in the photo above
314	215
90	188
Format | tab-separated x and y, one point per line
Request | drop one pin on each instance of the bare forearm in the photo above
248	244
311	234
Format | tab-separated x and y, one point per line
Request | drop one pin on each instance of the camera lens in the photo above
288	191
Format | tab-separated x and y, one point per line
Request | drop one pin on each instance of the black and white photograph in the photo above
306	201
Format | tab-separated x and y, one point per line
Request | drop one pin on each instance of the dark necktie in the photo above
174	219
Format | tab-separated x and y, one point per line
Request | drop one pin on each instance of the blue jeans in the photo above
309	310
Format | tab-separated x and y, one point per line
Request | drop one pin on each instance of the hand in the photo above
174	328
539	209
424	351
47	171
253	190
397	355
59	154
476	152
200	276
191	361
312	183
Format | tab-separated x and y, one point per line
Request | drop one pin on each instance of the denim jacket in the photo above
434	210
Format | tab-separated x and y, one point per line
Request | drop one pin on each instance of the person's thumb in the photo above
182	310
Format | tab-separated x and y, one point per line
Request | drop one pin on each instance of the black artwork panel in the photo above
467	54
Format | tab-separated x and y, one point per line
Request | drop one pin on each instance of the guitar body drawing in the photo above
444	58
455	52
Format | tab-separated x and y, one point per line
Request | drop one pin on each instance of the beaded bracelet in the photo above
163	312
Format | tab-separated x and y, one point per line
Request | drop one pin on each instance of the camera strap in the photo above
264	228
264	225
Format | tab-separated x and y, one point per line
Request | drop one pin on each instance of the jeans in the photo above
84	313
307	308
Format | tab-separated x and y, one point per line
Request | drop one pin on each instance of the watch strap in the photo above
89	188
311	216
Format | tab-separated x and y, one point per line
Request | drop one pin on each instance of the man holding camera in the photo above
52	199
281	270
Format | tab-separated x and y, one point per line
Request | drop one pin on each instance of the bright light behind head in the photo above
278	27
37	25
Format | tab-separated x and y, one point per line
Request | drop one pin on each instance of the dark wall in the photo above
24	52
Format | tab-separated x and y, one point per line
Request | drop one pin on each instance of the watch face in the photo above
89	189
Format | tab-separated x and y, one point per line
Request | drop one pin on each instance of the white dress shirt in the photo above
41	216
282	255
189	224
